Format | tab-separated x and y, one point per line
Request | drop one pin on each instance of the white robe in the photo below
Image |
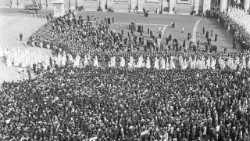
96	64
156	63
167	65
148	65
213	63
181	61
243	63
122	63
86	61
131	62
8	61
76	62
184	64
113	62
248	64
140	62
172	65
163	63
64	59
208	63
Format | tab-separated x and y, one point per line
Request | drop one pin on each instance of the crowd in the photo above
143	94
235	21
77	35
120	104
240	16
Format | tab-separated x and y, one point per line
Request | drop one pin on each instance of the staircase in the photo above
183	9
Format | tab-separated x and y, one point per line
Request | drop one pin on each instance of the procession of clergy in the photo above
26	58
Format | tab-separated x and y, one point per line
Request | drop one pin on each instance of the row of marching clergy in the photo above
25	58
181	62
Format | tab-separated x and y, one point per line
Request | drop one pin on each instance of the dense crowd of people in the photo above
120	104
143	94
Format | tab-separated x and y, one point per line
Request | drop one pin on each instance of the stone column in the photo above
206	5
196	6
58	6
132	5
140	4
72	4
103	2
171	5
223	5
14	3
246	4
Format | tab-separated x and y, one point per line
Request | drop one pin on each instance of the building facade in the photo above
171	6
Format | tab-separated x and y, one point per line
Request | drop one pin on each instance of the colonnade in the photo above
171	4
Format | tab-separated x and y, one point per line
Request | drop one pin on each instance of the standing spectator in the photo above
21	37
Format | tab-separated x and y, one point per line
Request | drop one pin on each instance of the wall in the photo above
117	5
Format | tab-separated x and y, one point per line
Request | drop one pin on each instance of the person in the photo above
170	37
189	36
203	30
173	24
218	21
21	37
29	73
122	31
184	43
234	43
212	33
228	29
198	43
207	35
215	38
167	40
182	29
